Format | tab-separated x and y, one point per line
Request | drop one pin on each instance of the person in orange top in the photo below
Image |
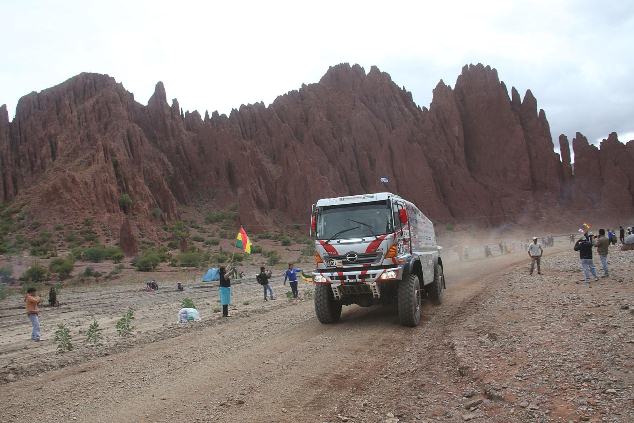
32	301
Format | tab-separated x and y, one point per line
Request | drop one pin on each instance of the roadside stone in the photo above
472	404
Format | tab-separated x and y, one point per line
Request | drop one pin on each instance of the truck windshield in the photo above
354	220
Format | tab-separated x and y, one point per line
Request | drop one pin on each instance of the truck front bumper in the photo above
356	282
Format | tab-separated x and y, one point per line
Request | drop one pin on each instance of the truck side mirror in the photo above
402	215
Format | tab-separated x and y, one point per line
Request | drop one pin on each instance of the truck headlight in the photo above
390	274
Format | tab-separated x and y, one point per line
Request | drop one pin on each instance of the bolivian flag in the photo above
243	242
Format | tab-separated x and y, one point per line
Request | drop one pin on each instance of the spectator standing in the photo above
603	244
621	234
263	279
225	292
291	276
31	302
584	246
535	252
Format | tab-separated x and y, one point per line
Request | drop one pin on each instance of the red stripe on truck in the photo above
374	245
329	248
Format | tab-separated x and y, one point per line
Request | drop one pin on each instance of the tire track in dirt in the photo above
281	365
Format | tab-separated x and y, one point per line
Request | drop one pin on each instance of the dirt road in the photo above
282	365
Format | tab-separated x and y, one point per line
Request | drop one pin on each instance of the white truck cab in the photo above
374	248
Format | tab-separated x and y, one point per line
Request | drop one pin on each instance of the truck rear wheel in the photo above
434	289
326	308
409	301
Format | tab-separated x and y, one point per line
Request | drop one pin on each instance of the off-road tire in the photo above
409	301
434	289
326	308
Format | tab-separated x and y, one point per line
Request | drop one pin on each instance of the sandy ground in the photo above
503	347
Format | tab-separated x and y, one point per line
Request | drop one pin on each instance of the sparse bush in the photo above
63	267
124	325
59	227
220	257
42	246
308	251
93	334
187	303
273	258
90	272
286	241
35	273
157	213
198	238
246	303
125	202
3	291
117	256
449	227
192	259
212	241
216	309
147	261
94	254
256	249
63	338
6	273
220	216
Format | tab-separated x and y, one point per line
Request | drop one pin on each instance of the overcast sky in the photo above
576	56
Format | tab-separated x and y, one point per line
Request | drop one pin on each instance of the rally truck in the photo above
374	249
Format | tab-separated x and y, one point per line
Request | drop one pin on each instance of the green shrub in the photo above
179	231
62	266
6	272
239	258
4	292
256	249
449	227
286	241
42	245
198	238
246	303
220	216
308	251
35	273
212	242
147	261
63	338
192	259
187	303
172	245
220	257
117	256
273	258
93	334
124	325
71	237
157	213
94	254
90	272
125	202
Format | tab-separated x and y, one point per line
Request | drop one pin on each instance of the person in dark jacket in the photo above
225	292
584	246
263	279
621	234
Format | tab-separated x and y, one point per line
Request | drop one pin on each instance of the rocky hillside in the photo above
477	154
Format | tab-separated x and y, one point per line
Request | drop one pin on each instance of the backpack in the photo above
260	279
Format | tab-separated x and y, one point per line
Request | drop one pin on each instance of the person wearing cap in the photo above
535	252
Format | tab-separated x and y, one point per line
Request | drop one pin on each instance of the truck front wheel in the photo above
409	301
327	309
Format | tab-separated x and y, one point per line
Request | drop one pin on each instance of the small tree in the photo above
187	303
62	266
63	338
124	325
125	202
35	273
93	334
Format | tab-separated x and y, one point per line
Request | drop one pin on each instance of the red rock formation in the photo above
476	154
127	240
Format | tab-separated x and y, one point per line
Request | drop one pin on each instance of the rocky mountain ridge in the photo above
476	155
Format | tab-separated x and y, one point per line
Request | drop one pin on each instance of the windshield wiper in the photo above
341	232
366	225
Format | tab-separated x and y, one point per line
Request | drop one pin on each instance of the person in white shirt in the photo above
535	252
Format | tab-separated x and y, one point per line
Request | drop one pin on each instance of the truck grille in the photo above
355	258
